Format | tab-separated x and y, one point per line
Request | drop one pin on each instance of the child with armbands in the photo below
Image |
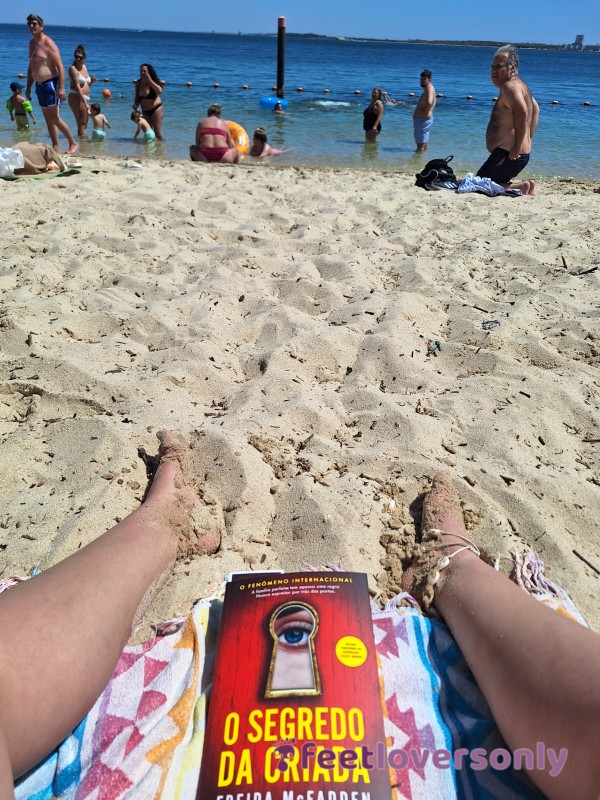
18	107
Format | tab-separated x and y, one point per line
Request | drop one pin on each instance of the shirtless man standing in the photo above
46	69
423	116
512	123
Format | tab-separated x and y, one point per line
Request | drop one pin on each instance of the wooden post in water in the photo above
281	57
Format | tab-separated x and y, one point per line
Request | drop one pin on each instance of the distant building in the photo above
577	44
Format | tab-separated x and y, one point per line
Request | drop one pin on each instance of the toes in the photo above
168	440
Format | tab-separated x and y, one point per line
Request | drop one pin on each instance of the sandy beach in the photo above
280	319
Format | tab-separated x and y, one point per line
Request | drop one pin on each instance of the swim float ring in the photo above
239	136
271	102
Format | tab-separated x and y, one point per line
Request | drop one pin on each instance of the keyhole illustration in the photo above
293	669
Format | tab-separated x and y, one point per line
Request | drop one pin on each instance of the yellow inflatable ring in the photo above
239	136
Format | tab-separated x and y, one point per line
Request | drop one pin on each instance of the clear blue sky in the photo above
550	21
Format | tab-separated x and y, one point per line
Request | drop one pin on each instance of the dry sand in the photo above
280	319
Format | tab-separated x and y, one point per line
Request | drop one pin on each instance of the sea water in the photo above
323	129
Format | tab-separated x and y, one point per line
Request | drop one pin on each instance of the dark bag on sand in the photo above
438	170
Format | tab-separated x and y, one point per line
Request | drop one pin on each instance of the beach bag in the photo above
437	170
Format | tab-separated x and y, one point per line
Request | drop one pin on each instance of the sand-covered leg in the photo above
536	668
63	631
442	527
199	530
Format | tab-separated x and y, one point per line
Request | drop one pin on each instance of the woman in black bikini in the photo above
372	115
148	90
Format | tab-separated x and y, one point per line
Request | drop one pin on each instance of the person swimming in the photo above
260	146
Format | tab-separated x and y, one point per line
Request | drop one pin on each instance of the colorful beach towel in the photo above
143	738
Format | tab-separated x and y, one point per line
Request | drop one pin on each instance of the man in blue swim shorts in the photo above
512	124
46	69
423	116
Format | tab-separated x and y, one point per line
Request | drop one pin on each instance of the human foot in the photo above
443	537
176	501
72	149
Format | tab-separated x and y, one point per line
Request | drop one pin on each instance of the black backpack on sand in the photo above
439	170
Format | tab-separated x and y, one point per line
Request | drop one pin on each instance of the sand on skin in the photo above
280	319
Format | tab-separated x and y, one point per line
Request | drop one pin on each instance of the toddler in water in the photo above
260	147
18	107
143	126
100	122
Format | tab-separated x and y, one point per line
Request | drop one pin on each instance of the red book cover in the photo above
295	710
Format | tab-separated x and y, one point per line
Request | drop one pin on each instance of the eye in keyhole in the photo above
293	669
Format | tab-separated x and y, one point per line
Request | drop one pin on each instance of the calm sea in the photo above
325	129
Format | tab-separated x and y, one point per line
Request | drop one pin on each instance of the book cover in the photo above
295	710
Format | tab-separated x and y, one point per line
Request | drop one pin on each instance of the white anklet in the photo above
445	561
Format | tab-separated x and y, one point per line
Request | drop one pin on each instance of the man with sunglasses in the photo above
46	69
512	124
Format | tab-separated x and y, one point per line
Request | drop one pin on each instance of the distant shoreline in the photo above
434	42
324	37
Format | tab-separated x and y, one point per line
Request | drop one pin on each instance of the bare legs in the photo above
537	669
56	124
155	119
63	631
80	112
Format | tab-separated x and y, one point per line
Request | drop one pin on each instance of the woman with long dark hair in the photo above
148	90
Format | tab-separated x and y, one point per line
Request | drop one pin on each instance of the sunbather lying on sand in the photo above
63	631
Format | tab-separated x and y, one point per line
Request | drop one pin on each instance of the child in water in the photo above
100	122
260	147
18	107
143	126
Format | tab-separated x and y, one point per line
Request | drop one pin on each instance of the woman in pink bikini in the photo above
213	140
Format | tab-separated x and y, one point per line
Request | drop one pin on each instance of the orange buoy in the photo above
106	93
325	91
299	89
216	85
245	87
357	91
189	83
555	102
586	102
469	97
106	80
411	94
